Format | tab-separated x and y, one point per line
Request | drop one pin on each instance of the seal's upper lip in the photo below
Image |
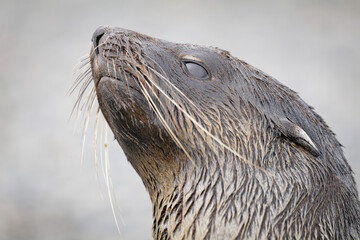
99	72
95	68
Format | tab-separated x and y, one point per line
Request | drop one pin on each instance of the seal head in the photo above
225	151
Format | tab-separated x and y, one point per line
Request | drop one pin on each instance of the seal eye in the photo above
196	70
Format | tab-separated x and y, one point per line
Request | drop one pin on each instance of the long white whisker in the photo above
109	184
86	124
84	60
196	123
163	121
79	104
83	107
96	144
171	84
83	75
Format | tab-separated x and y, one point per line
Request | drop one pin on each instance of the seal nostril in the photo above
96	38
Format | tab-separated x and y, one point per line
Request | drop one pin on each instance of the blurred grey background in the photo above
311	46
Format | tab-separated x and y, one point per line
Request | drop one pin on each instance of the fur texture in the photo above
215	156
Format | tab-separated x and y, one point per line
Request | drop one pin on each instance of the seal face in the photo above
225	151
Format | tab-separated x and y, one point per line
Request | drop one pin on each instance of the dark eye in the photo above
196	70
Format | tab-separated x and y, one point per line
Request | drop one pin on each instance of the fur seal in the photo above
224	150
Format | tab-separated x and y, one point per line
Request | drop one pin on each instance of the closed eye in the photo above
196	70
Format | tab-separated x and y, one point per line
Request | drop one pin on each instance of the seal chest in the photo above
224	150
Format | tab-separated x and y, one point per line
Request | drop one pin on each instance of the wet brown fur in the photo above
213	154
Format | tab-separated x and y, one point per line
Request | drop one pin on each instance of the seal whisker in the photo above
84	106
78	104
93	50
109	184
203	129
85	70
95	144
102	146
82	77
86	124
121	72
89	100
126	78
195	122
83	67
86	78
127	85
85	110
107	65
84	60
163	121
168	81
114	69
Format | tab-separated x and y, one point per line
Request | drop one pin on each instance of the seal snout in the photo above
96	38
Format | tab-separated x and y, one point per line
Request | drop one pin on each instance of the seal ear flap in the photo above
297	135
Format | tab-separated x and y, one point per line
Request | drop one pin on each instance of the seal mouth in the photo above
122	75
98	70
